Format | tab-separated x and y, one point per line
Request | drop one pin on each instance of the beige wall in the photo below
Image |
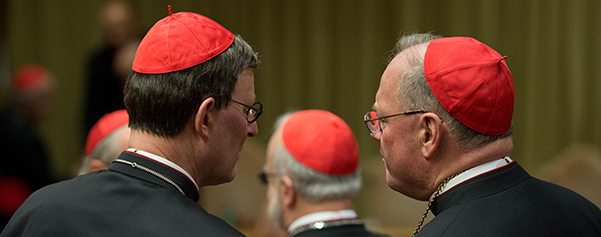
330	55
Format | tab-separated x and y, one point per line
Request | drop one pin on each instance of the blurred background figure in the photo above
106	140
312	173
24	165
109	66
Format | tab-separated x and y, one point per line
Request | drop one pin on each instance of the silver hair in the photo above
105	151
313	185
415	94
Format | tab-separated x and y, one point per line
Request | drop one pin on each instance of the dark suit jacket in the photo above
509	202
346	230
121	201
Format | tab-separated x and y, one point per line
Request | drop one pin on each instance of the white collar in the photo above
322	216
475	171
164	162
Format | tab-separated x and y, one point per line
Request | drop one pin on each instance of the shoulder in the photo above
550	192
563	199
125	205
557	210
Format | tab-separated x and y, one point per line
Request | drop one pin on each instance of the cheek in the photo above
274	213
394	151
398	141
269	194
234	126
389	143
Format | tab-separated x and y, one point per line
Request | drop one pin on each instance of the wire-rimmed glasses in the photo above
373	122
253	112
263	177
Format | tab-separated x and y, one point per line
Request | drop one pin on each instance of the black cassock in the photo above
508	201
122	201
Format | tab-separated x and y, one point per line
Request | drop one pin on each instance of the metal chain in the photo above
436	193
136	165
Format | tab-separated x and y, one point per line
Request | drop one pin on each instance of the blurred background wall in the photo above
330	55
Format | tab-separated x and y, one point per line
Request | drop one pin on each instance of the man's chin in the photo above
391	182
232	175
224	179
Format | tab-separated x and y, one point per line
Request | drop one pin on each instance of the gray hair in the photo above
106	151
415	94
314	186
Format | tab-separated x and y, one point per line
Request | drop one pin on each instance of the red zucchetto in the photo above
472	82
179	41
321	141
105	126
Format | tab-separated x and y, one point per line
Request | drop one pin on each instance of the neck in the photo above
177	149
456	161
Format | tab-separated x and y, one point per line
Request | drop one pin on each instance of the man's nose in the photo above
252	129
376	135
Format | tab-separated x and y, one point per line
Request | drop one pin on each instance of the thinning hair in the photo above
314	186
163	104
415	93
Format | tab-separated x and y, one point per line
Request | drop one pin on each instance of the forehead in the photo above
391	79
245	86
388	93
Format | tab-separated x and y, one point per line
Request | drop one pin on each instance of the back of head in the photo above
182	60
320	154
465	82
102	143
31	90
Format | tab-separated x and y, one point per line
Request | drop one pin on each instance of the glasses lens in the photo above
254	112
250	117
373	124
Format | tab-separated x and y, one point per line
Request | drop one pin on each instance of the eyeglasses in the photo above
253	112
374	125
263	176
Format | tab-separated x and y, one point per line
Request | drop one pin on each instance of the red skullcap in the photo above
105	126
321	141
472	82
180	41
30	77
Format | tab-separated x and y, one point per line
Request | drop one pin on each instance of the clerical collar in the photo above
475	171
165	162
324	216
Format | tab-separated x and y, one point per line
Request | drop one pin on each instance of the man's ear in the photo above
202	120
430	134
96	164
287	192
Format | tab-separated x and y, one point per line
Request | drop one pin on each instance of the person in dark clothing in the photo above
443	118
191	106
24	166
109	66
